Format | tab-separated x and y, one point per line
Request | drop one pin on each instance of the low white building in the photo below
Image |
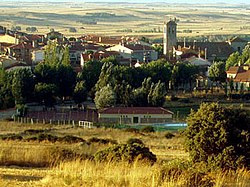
135	115
135	52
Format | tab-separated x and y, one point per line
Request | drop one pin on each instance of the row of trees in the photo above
106	82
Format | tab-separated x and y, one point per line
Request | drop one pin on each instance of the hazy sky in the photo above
148	1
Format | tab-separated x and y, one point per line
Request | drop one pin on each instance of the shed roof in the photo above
135	110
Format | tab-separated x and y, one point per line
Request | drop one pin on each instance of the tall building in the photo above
169	37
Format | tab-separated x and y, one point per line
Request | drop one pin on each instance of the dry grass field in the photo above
127	18
34	163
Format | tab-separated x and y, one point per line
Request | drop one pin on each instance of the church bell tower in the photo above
169	37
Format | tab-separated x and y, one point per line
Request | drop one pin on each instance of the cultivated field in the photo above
127	18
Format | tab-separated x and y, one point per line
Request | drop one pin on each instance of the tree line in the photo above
104	81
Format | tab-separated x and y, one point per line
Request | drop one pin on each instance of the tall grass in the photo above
88	173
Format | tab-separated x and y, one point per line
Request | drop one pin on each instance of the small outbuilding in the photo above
135	115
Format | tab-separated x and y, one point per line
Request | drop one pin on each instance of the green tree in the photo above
46	93
105	97
46	73
111	59
233	60
183	75
66	79
6	98
80	92
219	136
22	85
65	56
106	76
52	53
217	72
158	70
90	74
245	57
158	94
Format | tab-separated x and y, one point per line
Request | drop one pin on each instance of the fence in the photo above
26	120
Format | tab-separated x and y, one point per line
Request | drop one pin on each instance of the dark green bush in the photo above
11	137
126	152
135	140
147	129
33	131
102	141
131	129
47	137
169	135
71	139
8	119
219	137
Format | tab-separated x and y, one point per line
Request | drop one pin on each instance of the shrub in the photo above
219	136
47	137
127	153
135	140
132	130
8	119
71	139
147	129
102	141
60	154
33	131
169	135
11	137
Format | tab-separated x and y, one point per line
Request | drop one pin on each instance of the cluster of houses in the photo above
22	50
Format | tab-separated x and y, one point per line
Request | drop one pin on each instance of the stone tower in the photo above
169	37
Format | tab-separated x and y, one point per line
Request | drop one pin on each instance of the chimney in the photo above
205	53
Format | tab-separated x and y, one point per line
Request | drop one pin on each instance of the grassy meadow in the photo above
36	162
126	18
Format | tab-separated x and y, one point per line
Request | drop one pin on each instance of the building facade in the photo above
135	115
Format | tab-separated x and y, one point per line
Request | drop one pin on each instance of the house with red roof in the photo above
135	52
240	75
98	55
135	115
21	52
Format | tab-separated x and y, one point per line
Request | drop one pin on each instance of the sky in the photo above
148	1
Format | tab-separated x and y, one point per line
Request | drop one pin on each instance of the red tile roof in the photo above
243	76
32	37
135	110
137	47
214	49
22	46
235	69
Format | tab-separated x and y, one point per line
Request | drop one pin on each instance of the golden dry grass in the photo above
76	173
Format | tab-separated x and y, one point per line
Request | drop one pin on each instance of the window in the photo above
135	120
